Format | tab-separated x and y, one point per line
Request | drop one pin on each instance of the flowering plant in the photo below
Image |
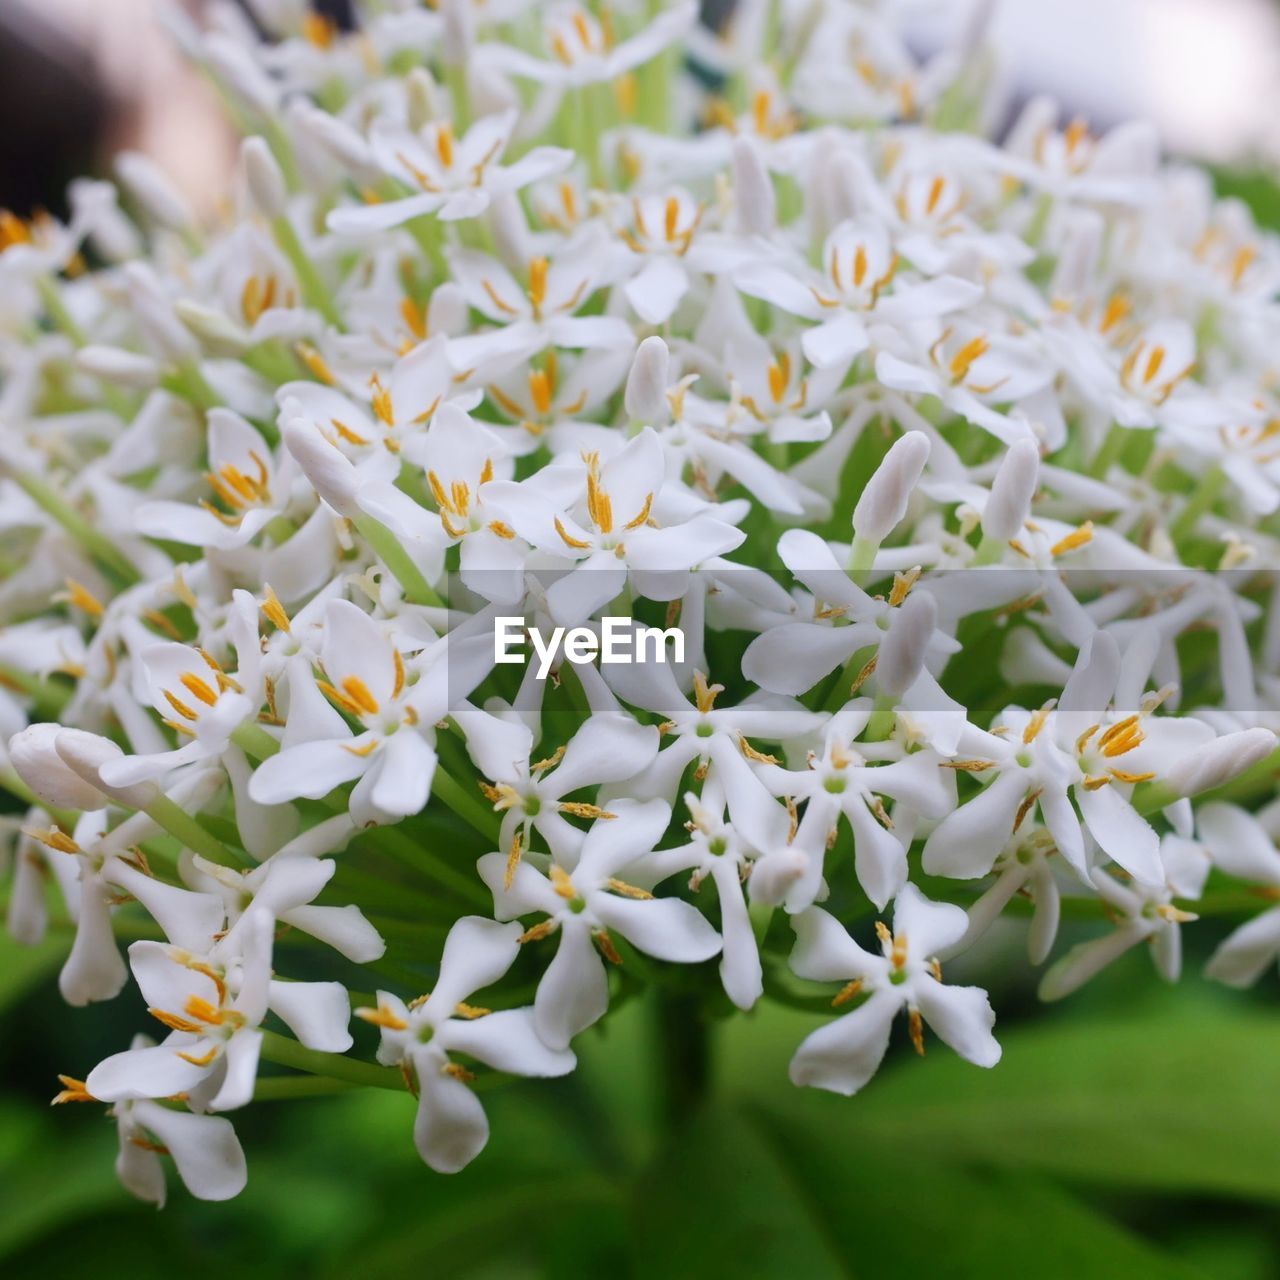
951	466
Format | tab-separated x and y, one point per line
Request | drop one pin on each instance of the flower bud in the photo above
901	655
447	312
155	314
334	137
755	201
90	756
459	33
1220	761
122	368
325	466
423	100
646	394
1012	489
36	761
263	178
233	65
148	184
218	334
884	500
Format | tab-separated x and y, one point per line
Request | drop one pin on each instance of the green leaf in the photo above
721	1203
1178	1097
891	1212
24	968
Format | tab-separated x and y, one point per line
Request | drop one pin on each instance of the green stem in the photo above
185	829
336	1066
1201	500
106	553
862	555
416	588
313	288
1111	449
685	1056
288	1088
254	740
48	698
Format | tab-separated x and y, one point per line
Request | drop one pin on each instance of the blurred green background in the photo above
1133	1131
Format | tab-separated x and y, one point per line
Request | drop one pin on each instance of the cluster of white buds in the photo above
536	319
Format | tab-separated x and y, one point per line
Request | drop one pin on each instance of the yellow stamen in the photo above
383	1016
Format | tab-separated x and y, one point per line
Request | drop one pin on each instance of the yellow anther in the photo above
859	266
358	692
1036	723
561	883
203	1060
80	596
199	688
1118	309
444	143
73	1090
383	1016
963	359
351	437
568	540
316	364
779	377
52	838
846	993
364	751
540	390
1076	538
513	860
1154	361
539	931
705	694
414	317
180	707
274	611
380	398
628	890
607	949
1025	808
319	30
470	1011
642	516
581	809
502	530
915	1025
538	268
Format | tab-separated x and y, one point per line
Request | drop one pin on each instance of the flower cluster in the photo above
554	312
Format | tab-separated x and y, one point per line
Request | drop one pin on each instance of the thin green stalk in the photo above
336	1066
47	697
1109	452
1199	503
184	828
106	553
313	288
289	1088
416	588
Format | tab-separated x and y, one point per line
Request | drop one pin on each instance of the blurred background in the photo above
1132	1132
87	77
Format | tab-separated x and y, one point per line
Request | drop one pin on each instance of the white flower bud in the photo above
459	33
263	178
233	65
1220	761
336	138
901	654
149	185
423	99
155	314
1012	489
122	368
755	202
646	394
884	501
329	470
447	312
89	755
36	761
218	334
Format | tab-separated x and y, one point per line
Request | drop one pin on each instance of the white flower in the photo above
451	1128
454	178
585	905
843	1055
